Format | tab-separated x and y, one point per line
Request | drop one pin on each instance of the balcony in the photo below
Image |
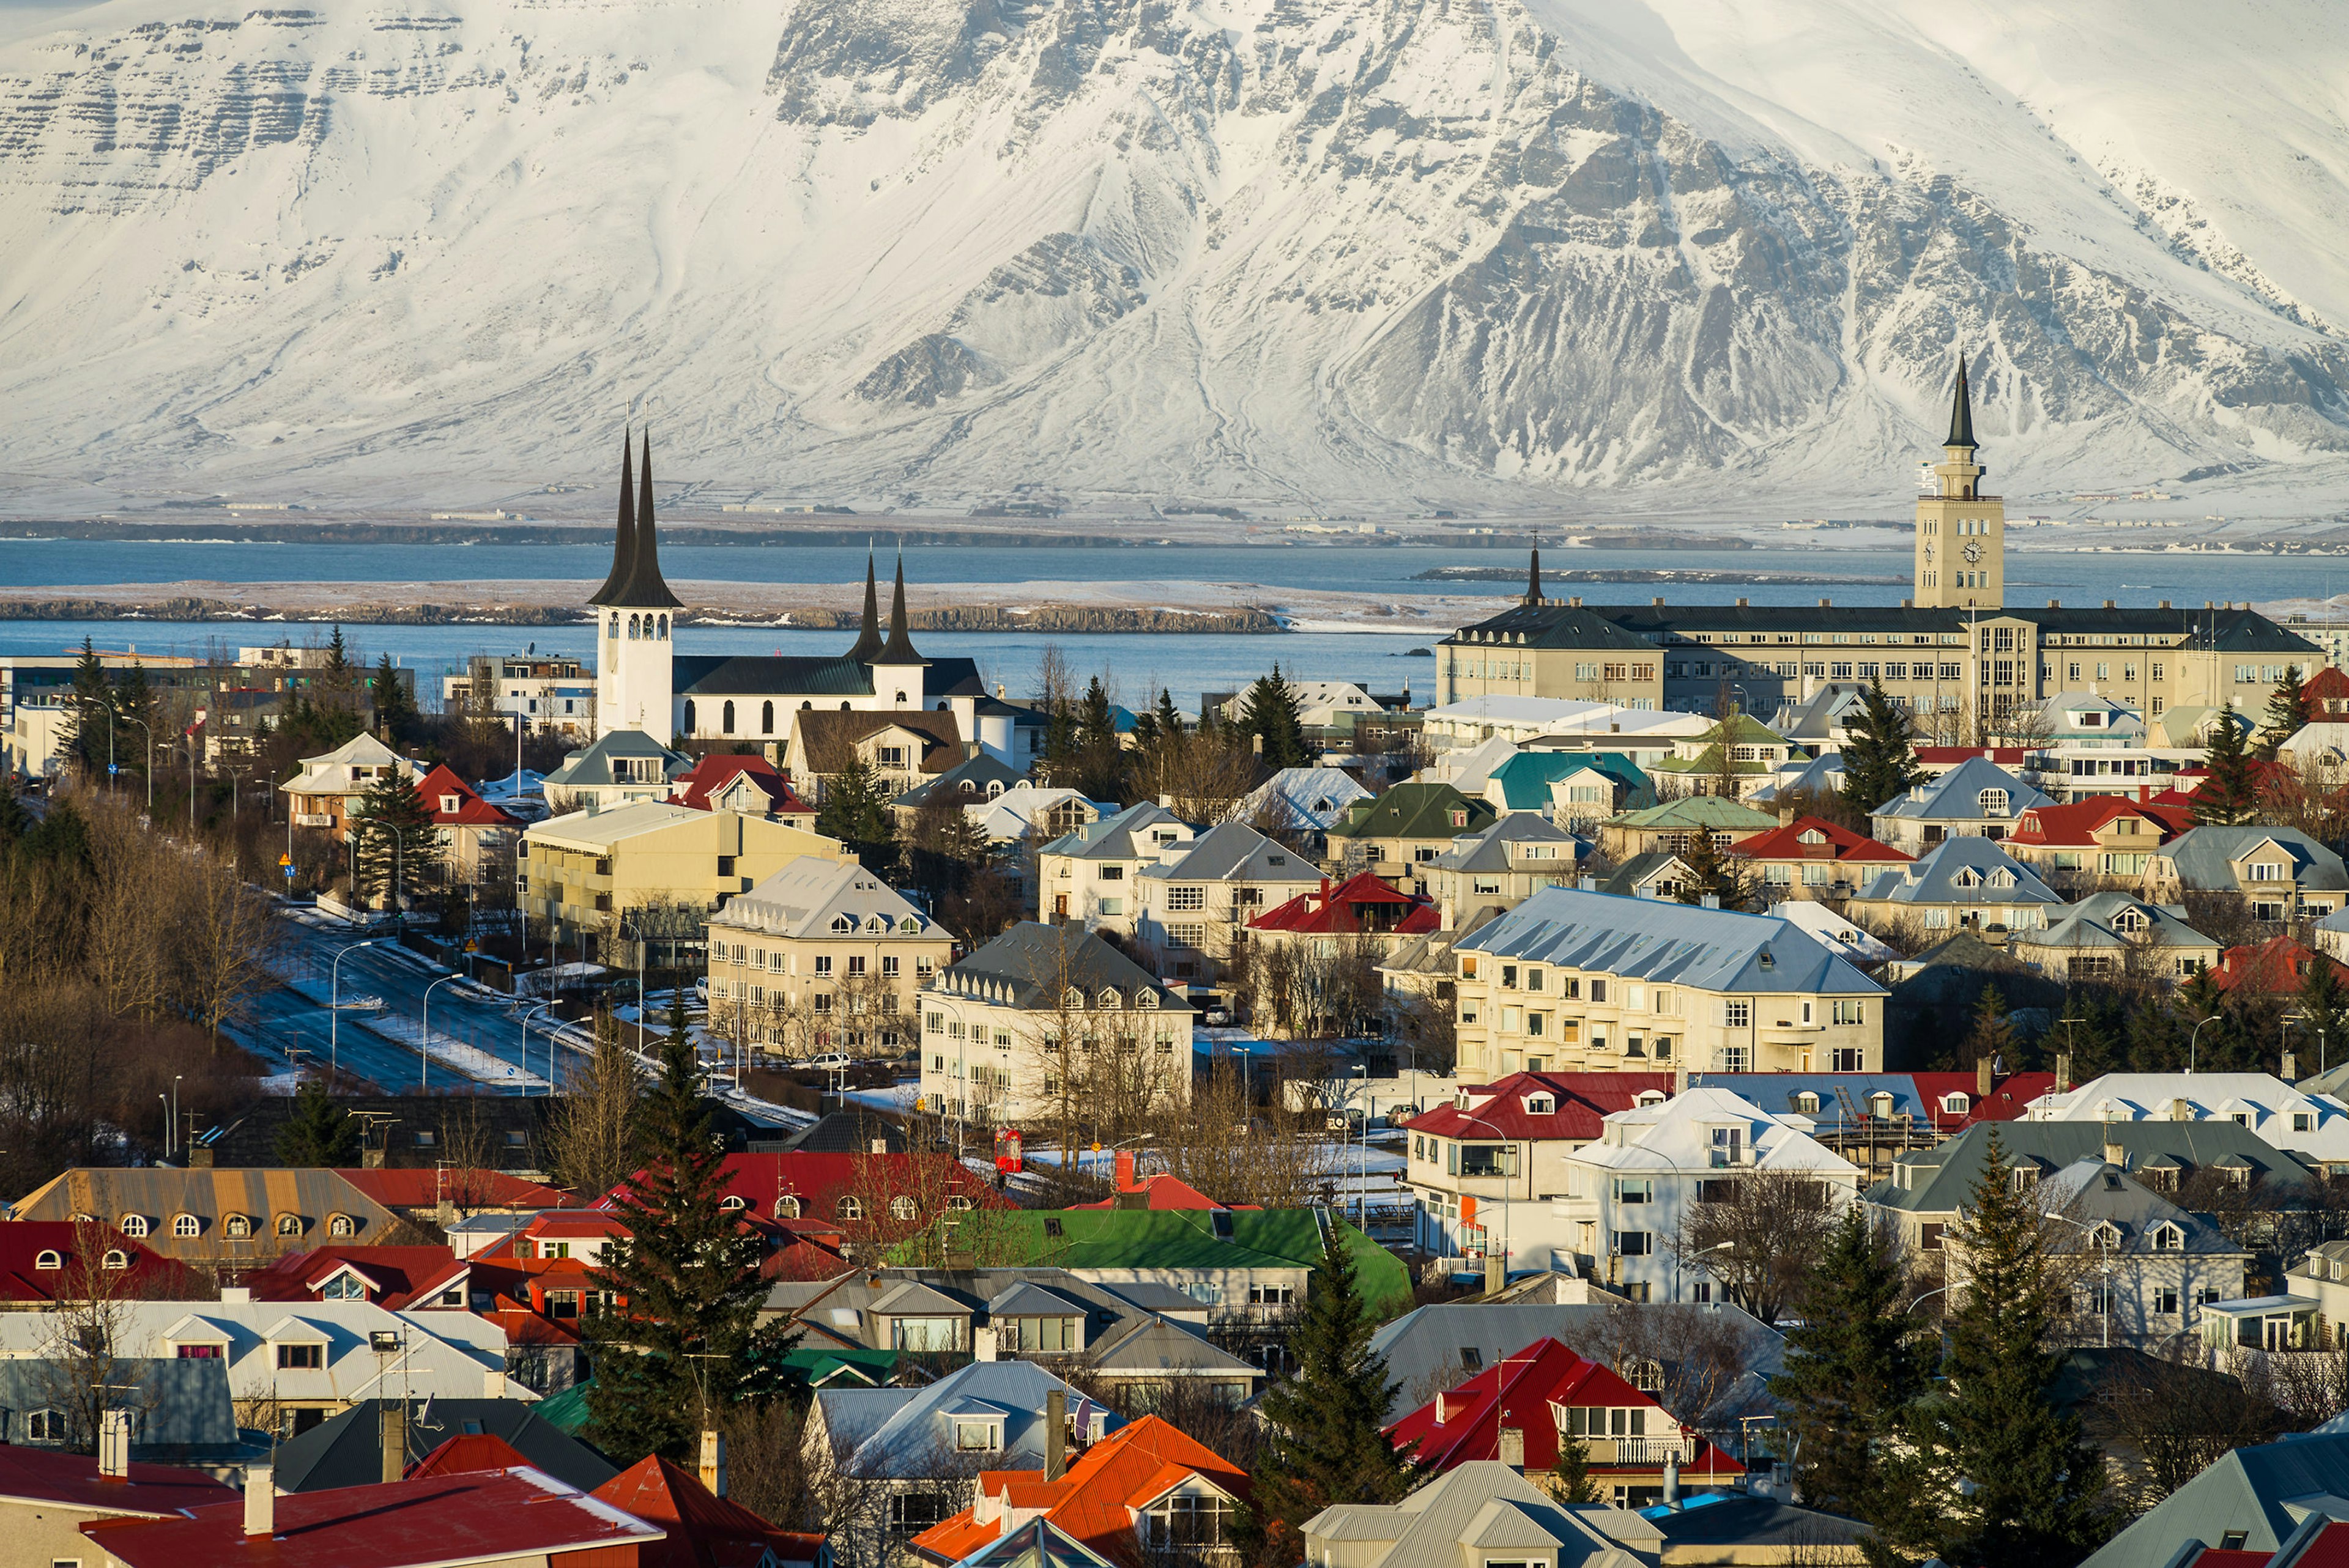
1639	1451
313	819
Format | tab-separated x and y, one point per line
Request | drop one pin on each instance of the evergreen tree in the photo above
1854	1364
392	835
395	712
2031	1488
1880	762
1323	1442
2288	712
90	709
2230	795
855	811
1713	869
1570	1476
1992	1035
682	1342
135	711
320	1134
1269	712
2324	1001
338	663
1101	761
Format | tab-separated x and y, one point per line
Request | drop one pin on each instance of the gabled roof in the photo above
1965	870
1551	625
2077	822
897	1432
1360	904
826	739
1414	811
1956	796
1232	851
1463	1515
161	1192
1714	813
1519	1390
2090	924
1581	1101
1028	966
592	766
1834	842
702	1529
2122	1212
1663	943
1121	836
24	1244
2206	856
963	784
809	893
1489	850
2278	964
1659	869
1450	1339
1524	780
1300	796
1940	1179
396	1275
471	810
2244	1492
47	1477
712	773
346	1450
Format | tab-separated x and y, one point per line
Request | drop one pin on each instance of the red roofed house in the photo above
2326	694
46	1495
1507	1142
1143	1491
452	1521
1517	1411
705	1529
2094	838
2279	965
1361	905
1813	857
1161	1190
43	1262
751	786
422	1192
471	829
1935	761
466	1452
399	1279
852	1201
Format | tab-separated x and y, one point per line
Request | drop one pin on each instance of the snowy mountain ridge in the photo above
1367	252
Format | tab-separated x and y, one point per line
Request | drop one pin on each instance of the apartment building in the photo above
1089	875
1963	884
822	955
1577	980
1196	898
539	689
1397	834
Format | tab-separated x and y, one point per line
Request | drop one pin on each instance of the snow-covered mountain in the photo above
1374	252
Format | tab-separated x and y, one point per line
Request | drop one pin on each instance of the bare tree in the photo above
224	936
1701	1365
2164	1423
1757	1234
591	1136
86	1366
1235	1151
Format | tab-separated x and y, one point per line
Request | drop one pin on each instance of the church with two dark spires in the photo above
736	701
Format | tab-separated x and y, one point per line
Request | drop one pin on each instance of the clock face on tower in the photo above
1973	550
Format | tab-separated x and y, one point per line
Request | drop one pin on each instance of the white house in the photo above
2312	1126
327	793
1089	875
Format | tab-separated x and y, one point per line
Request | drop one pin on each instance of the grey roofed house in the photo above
2250	1498
809	894
914	1435
1114	838
1817	718
1482	1511
2088	926
640	755
854	1130
1960	873
1234	852
1975	790
347	1450
1488	850
1650	873
971	782
1711	1526
2098	1194
183	1411
2205	857
1649	939
1301	798
1819	776
1457	1340
1027	965
1939	1180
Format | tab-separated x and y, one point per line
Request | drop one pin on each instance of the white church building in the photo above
737	702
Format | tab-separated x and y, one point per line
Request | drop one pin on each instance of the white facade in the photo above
2313	1126
636	678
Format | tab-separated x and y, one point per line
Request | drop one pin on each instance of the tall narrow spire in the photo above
641	585
900	649
868	637
1533	581
1961	412
624	546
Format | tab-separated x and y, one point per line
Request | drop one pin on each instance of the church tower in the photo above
899	668
1961	533
635	685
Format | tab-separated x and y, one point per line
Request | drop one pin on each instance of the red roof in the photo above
71	1480
1161	1190
1842	845
2327	693
471	810
705	1531
2009	1098
1583	1099
395	1277
1518	1390
482	1516
2278	963
816	1183
712	773
1947	756
423	1187
23	1280
1096	1500
466	1452
1360	903
2078	822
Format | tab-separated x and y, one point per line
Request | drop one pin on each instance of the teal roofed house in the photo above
1230	1257
1755	753
1591	786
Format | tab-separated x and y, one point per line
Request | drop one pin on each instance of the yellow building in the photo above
651	873
1961	533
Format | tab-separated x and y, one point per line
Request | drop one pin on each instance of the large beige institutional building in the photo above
1955	650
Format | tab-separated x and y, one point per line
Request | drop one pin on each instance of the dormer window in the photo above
289	1224
1956	1104
2167	1237
347	1286
116	1258
1805	1103
49	1259
187	1226
2129	922
732	1203
133	1225
2108	1236
1811	838
341	1225
841	924
449	805
1541	1105
1993	802
787	1207
2001	878
1880	1104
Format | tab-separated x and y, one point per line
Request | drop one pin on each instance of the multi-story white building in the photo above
539	689
2313	1126
1198	894
1577	980
1091	875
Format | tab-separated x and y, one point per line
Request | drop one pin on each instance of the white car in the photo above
831	1061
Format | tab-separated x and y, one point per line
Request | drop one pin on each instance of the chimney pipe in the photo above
2291	1067
1056	1435
260	1500
983	1344
1983	1081
1125	1169
1672	1478
1496	1273
2063	1072
1513	1447
713	1461
395	1440
114	1445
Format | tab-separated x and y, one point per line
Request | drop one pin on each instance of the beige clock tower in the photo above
1961	533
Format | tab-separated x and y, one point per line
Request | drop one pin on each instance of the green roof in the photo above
1713	811
817	1365
1177	1239
1415	811
566	1412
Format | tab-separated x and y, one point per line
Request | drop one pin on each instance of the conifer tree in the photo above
1101	760
1323	1441
2230	795
1992	1035
2032	1487
2288	712
1270	711
681	1339
338	662
1570	1474
320	1134
1854	1364
855	811
395	713
89	712
392	835
1714	870
1880	763
2324	1001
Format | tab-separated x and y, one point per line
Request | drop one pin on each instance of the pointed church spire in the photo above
900	650
1961	412
868	637
624	546
1533	581
641	586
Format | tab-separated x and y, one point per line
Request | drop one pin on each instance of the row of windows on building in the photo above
235	1227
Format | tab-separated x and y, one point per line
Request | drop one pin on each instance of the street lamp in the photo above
167	1122
335	1010
111	716
2283	1038
541	1007
2194	1046
424	1050
1505	1235
1362	1164
1923	1299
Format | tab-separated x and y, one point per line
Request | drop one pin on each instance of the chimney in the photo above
1709	901
1590	883
114	1445
1826	603
395	1440
1513	1447
2114	1155
1575	603
2165	603
1905	604
982	1345
493	1382
1786	815
1125	1169
234	1294
880	1146
713	1461
1496	1273
1056	1435
1983	1082
2108	604
199	1157
1741	603
2063	1072
2291	1067
1672	1478
2054	604
260	1500
1659	603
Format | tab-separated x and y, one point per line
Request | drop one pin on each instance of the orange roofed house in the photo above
1143	1492
1813	857
1519	1410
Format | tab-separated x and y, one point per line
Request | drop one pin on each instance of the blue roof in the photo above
1668	943
1956	796
1961	870
1775	1092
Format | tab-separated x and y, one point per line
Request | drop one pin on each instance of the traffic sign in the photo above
289	873
114	767
286	860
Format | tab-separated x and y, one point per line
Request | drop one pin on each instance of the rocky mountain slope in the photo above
1365	253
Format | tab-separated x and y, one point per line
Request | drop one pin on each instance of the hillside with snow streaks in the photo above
1359	253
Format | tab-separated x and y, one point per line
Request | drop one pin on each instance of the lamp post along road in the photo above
424	1048
335	1011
